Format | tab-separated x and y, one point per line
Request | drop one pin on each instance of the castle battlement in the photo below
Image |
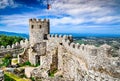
38	30
17	45
86	49
59	36
72	60
38	20
24	43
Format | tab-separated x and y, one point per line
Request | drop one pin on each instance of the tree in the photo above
9	40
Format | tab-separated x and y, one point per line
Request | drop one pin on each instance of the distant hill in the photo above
14	34
75	35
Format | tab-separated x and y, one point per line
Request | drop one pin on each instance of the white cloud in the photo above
16	20
95	11
79	12
66	20
7	3
107	19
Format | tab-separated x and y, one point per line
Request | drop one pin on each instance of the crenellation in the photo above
52	35
77	45
38	20
56	35
72	45
45	20
21	42
30	20
76	61
8	47
68	42
13	46
2	47
87	49
34	20
65	36
26	41
70	37
17	44
60	36
82	47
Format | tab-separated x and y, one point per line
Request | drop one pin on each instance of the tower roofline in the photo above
38	20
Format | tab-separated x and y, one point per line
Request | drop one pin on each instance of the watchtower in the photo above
38	30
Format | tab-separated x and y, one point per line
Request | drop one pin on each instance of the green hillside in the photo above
9	40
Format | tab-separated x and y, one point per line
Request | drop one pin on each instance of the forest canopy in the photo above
9	40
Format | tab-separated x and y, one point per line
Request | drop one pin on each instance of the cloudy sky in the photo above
66	16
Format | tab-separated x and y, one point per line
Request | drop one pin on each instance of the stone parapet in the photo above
38	20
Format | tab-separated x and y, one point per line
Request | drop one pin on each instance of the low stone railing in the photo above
15	48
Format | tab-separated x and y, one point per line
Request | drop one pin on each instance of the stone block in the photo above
98	78
28	71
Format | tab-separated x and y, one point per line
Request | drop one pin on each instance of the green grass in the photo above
12	77
27	63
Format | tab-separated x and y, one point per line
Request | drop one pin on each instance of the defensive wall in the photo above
78	62
14	49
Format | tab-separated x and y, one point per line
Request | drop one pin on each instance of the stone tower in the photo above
38	30
38	34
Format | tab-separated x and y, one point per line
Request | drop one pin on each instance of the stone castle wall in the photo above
87	62
73	62
15	48
79	62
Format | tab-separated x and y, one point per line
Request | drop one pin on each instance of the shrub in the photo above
9	40
32	78
27	63
6	60
7	56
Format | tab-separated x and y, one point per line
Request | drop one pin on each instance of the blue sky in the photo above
66	16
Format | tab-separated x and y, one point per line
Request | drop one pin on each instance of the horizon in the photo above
66	16
73	34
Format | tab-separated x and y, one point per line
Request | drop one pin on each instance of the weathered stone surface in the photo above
70	61
74	61
28	71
